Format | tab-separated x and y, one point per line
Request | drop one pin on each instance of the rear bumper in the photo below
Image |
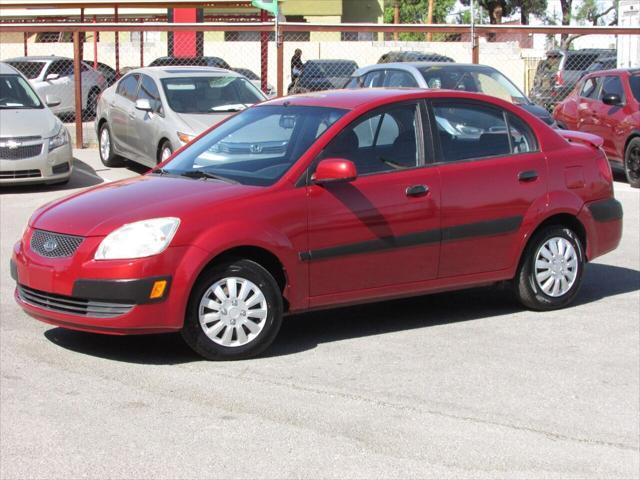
602	220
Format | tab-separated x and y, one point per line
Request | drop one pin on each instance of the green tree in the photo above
590	11
530	7
415	11
495	8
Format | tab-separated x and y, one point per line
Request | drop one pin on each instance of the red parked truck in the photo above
321	200
607	104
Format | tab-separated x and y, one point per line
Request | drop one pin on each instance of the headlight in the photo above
138	239
59	139
185	137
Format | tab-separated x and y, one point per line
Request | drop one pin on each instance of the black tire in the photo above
632	162
166	145
92	105
108	158
526	287
193	332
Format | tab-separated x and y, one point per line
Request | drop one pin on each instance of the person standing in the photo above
296	68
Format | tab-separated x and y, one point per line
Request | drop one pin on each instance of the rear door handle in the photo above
416	190
528	176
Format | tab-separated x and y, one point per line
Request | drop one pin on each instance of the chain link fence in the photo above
305	58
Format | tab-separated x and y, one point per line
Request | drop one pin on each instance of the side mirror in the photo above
334	170
52	101
52	76
612	99
143	104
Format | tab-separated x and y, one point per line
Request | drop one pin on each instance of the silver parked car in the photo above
451	76
34	144
151	112
52	75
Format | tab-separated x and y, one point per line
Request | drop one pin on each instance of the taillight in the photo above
559	79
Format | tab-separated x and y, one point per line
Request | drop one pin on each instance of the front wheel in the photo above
234	311
165	151
105	144
632	163
551	269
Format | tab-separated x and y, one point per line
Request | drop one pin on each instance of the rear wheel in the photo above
109	159
234	312
551	269
632	163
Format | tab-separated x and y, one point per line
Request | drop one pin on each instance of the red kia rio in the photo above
607	104
321	200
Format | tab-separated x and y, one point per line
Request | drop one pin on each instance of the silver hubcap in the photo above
233	312
105	144
166	153
556	267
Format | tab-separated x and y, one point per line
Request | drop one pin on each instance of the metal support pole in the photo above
95	45
279	58
264	53
475	47
396	18
141	49
429	18
82	35
117	45
77	80
25	37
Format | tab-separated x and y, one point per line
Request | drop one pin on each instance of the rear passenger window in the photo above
589	88
398	78
128	87
469	131
522	138
612	86
373	79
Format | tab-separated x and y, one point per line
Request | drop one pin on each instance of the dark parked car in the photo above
107	72
450	76
604	63
607	104
323	75
560	71
413	56
190	62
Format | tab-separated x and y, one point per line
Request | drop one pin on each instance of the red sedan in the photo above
320	200
607	104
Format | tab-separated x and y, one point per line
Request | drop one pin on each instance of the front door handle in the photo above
528	176
416	190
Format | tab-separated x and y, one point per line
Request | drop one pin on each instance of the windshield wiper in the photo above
206	175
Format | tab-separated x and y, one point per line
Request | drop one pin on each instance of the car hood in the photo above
199	122
542	113
100	210
28	123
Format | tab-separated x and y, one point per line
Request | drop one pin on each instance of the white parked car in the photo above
51	75
34	144
151	112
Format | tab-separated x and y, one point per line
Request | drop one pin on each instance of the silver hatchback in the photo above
153	111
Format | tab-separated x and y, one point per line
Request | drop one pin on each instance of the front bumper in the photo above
113	296
46	167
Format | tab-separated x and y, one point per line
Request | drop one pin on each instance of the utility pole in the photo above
430	18
396	17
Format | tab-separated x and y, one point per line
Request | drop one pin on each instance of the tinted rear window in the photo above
329	69
580	61
28	69
634	83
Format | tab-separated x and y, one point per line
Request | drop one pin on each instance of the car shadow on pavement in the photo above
83	176
304	332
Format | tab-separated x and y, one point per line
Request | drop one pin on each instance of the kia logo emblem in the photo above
50	245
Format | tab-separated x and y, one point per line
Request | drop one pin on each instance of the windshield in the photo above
634	83
15	92
210	94
257	146
489	82
30	70
329	69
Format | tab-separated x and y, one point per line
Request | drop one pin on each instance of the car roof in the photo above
6	69
614	71
351	99
171	71
329	60
411	66
37	58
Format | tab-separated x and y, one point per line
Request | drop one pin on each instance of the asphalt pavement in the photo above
456	385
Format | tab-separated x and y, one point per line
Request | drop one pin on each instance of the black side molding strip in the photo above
606	210
134	291
480	229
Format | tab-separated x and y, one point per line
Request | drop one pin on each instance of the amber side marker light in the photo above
158	289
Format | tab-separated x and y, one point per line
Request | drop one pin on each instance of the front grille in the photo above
75	306
4	174
19	153
54	245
